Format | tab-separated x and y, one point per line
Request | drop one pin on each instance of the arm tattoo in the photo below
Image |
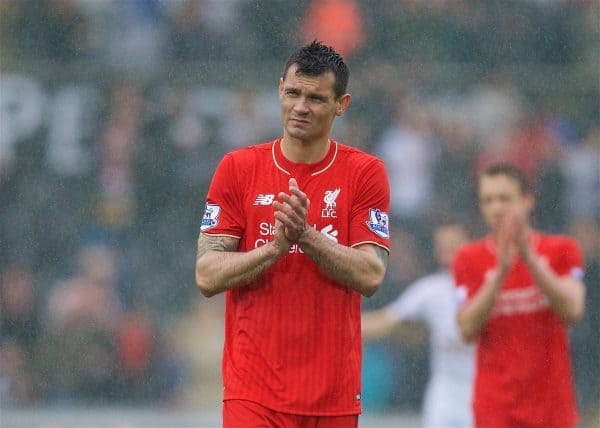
341	270
382	254
215	243
229	270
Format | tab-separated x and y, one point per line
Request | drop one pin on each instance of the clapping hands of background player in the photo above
513	238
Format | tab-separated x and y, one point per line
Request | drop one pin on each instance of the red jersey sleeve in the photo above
223	211
369	215
463	279
568	258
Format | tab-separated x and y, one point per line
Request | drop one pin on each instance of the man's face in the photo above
447	240
499	196
308	104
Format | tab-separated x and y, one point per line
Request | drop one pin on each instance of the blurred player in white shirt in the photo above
432	300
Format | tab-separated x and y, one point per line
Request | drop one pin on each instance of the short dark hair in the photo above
510	171
317	58
451	219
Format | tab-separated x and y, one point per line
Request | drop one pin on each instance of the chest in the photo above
518	276
330	194
519	294
441	315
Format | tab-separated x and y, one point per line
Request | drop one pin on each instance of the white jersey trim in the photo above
275	158
221	234
314	173
370	242
330	163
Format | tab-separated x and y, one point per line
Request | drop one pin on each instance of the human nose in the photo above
494	205
500	208
300	106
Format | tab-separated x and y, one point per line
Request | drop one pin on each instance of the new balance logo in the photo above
266	199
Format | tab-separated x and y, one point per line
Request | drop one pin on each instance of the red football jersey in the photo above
523	363
292	337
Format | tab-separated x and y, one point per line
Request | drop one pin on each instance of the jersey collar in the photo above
293	168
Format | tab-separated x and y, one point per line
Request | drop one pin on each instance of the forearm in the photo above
360	269
565	295
217	271
474	315
376	324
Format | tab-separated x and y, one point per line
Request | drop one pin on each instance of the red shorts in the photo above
247	414
494	421
505	421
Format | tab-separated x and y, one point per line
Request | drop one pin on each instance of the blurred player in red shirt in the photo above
522	289
295	230
336	22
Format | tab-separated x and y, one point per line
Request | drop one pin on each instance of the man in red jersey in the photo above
522	289
295	231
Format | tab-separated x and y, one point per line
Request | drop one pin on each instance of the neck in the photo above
496	233
300	151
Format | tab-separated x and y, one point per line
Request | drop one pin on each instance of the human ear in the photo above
342	104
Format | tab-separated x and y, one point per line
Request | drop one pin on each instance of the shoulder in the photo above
357	157
367	171
249	152
560	244
470	256
472	249
556	240
248	155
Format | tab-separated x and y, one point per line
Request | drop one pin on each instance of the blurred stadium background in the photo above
113	115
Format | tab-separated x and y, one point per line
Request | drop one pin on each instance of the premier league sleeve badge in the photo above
211	216
379	223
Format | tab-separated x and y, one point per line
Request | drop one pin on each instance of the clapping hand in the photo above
507	249
513	238
291	211
521	231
